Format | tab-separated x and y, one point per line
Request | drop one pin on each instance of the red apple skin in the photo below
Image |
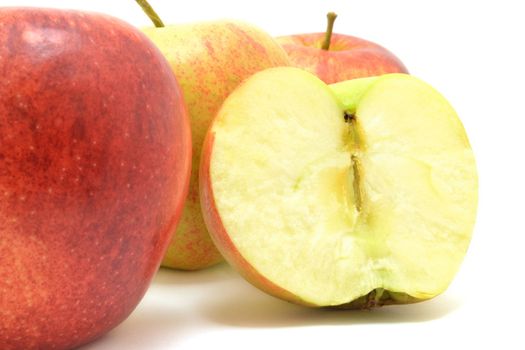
348	58
220	236
95	155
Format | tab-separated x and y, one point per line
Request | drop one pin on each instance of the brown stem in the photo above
148	10
331	16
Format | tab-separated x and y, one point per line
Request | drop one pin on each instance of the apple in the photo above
209	59
357	194
338	57
95	157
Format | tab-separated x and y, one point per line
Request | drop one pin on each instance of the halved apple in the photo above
357	194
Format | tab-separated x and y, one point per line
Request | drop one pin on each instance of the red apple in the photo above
338	57
94	168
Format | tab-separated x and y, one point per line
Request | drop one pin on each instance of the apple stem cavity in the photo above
349	118
350	92
331	16
148	10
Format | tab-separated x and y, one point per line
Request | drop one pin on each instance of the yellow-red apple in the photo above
209	59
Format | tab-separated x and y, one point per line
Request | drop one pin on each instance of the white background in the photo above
473	52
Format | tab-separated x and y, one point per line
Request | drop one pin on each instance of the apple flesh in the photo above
348	57
358	194
95	160
209	59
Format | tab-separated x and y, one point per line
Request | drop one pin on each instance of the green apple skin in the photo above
209	60
347	58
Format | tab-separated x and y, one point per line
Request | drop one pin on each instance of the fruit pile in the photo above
313	164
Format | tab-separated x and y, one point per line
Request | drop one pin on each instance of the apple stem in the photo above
331	16
148	10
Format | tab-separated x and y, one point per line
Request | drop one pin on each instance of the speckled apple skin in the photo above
94	168
210	60
348	58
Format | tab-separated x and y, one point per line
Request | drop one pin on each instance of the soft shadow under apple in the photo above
143	330
217	273
251	308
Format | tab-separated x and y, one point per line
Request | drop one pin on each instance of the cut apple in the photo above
357	194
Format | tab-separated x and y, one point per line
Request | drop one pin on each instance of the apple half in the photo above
358	194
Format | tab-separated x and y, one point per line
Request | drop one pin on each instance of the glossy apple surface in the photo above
210	60
348	57
357	194
94	168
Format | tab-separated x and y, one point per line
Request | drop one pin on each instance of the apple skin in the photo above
210	59
95	160
348	58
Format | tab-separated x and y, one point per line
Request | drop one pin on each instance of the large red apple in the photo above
94	168
339	57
